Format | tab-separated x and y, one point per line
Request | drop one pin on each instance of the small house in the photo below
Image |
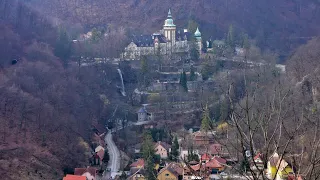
74	177
272	165
138	164
172	171
162	149
139	174
90	173
284	170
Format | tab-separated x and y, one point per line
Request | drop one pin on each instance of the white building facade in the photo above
165	42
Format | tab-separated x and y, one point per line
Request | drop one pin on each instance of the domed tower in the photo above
197	35
169	29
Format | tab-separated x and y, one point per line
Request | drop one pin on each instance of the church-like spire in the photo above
197	33
169	14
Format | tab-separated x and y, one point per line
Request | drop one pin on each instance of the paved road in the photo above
114	162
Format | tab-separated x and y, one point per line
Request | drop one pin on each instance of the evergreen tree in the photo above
96	35
194	51
63	47
191	155
206	71
175	149
183	81
144	65
144	79
192	76
106	156
148	155
230	37
192	26
245	41
206	121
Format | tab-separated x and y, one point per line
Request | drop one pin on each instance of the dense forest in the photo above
289	22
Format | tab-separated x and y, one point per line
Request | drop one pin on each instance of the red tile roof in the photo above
213	164
195	167
74	177
215	148
138	163
206	156
81	171
220	160
259	155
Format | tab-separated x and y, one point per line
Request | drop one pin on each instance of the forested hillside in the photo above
277	25
46	108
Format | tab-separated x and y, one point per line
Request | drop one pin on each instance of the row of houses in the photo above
96	157
181	171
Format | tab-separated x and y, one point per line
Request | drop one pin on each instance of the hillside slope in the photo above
46	109
270	21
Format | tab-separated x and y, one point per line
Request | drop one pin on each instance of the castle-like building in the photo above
167	41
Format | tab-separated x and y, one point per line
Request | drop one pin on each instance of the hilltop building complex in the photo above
167	41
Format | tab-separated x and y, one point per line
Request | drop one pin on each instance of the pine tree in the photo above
63	47
230	37
148	154
191	155
175	149
106	156
245	41
96	35
192	26
144	66
192	76
194	51
184	81
206	121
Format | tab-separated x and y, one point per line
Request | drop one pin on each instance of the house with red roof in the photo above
138	164
90	173
195	172
202	138
206	157
216	164
213	164
218	150
74	177
257	163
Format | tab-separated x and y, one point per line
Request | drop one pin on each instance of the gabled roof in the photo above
258	156
220	160
81	171
163	144
215	148
138	163
206	156
274	159
173	168
282	165
140	171
143	40
161	37
213	163
142	110
97	149
74	177
100	154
